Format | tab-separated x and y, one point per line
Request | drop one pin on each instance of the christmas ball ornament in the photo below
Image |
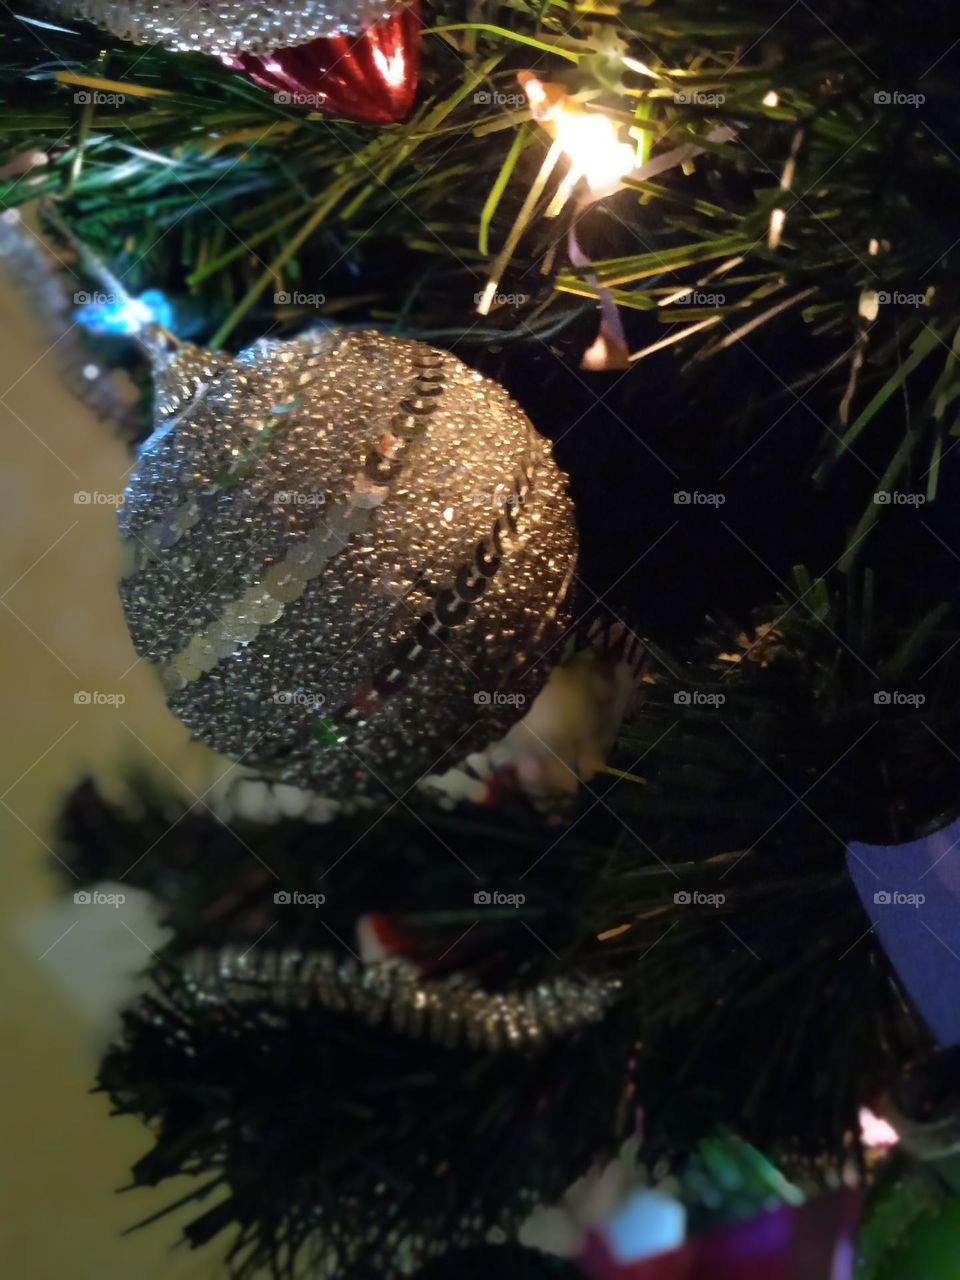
225	26
349	555
370	76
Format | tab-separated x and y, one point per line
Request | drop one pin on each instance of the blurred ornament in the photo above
911	893
358	59
370	76
793	1242
349	555
453	1013
225	26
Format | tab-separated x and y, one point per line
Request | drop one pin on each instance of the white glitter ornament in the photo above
225	26
350	556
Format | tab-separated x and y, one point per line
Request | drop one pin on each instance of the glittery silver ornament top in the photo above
349	554
225	26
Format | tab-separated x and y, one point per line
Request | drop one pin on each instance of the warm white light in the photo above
771	99
777	219
875	1131
590	140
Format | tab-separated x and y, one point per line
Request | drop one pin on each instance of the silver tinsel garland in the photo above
224	26
349	555
450	1013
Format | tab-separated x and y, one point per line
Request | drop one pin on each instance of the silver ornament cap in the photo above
349	555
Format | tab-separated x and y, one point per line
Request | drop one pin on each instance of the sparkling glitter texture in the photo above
349	555
224	26
392	993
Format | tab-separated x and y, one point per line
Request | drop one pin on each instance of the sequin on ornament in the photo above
224	26
350	557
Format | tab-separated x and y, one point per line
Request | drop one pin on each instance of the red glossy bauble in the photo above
370	77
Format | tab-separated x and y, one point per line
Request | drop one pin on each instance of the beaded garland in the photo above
349	555
393	992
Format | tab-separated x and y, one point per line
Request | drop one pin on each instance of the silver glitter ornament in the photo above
350	556
449	1013
225	26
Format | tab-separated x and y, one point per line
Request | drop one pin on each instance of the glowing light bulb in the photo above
594	149
771	98
875	1131
589	139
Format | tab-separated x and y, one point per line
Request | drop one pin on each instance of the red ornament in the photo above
370	77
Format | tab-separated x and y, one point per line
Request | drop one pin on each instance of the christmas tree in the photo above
544	495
